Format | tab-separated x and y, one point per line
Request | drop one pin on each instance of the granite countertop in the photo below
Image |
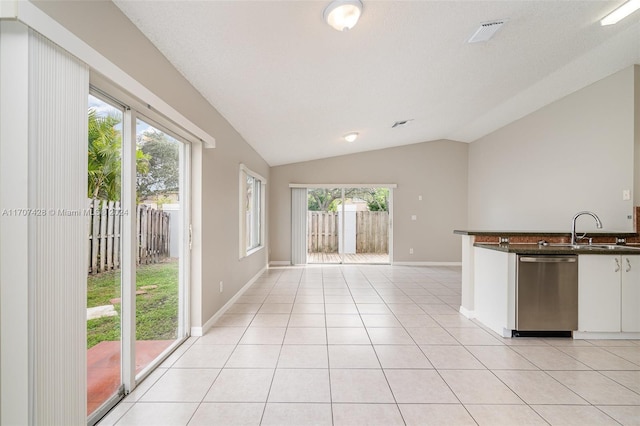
534	233
536	249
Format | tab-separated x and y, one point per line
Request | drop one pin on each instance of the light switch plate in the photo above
414	217
626	195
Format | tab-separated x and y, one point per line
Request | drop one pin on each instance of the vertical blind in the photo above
298	226
58	92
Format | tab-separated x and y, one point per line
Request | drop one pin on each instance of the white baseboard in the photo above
427	263
601	336
280	263
200	331
467	313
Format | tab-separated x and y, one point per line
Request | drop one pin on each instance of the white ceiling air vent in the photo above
486	31
401	123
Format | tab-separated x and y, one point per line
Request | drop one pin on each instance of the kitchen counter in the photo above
535	249
542	233
493	254
608	287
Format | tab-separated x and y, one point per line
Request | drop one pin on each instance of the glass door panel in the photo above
104	254
323	231
366	225
160	215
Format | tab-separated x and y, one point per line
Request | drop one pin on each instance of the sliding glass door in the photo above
137	221
348	225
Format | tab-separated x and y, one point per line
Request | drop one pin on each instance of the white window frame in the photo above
245	251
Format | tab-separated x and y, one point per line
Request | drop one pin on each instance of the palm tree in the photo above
104	157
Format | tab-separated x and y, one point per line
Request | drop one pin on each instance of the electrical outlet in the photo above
410	251
221	286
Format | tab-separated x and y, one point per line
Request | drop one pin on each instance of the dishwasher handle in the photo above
548	259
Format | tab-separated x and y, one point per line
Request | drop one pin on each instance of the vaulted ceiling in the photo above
293	86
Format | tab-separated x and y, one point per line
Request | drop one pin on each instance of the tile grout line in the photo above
264	409
376	352
326	333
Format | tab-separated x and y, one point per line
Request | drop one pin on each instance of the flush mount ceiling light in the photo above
350	137
620	13
343	14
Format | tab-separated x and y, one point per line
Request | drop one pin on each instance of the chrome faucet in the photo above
574	238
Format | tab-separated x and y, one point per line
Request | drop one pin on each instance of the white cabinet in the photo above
609	293
598	293
494	294
630	293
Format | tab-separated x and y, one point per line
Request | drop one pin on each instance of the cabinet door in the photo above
599	293
631	293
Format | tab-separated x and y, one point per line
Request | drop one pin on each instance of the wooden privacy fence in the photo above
105	230
322	232
372	232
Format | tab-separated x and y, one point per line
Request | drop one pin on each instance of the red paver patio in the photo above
103	367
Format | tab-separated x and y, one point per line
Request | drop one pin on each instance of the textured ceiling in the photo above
292	86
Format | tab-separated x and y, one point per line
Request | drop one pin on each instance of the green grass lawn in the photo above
156	311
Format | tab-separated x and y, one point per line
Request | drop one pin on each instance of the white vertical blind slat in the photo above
298	226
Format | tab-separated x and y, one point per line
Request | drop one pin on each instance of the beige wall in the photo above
106	29
574	154
436	170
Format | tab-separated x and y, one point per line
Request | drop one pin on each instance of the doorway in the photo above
348	224
137	276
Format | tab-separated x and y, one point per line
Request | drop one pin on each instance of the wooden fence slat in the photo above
316	231
89	232
116	235
110	217
103	235
154	234
143	235
95	242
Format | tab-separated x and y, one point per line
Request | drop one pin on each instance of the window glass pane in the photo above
257	200
249	201
159	237
253	212
104	233
251	225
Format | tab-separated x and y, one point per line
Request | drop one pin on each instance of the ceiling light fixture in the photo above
350	137
343	14
620	13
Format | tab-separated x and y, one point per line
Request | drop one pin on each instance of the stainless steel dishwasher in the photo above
547	293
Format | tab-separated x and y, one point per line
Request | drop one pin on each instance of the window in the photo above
251	211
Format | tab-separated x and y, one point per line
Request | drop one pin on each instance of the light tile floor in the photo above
379	345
